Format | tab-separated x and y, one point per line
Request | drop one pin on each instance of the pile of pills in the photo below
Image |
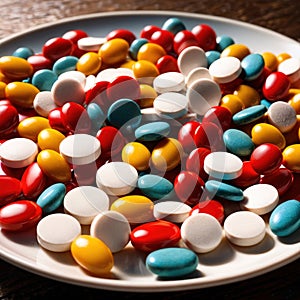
148	140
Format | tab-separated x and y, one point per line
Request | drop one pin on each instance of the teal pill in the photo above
65	64
23	52
174	25
266	103
212	56
252	66
154	186
135	47
223	42
96	115
52	198
285	218
172	262
224	190
238	142
249	114
152	131
44	79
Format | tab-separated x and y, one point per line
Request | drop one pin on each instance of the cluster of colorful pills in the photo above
147	140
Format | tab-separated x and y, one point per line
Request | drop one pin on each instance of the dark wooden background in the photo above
282	16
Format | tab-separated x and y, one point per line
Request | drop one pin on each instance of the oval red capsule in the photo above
211	207
155	235
55	118
148	30
10	189
124	34
167	63
248	176
184	39
98	94
219	115
163	38
9	119
39	62
206	36
186	135
56	48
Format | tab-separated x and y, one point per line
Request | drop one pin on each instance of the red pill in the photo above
74	35
11	172
10	189
98	94
124	34
167	63
9	119
163	38
211	207
155	235
188	187
266	158
55	118
206	36
56	48
20	215
148	30
219	115
184	39
186	135
248	176
39	62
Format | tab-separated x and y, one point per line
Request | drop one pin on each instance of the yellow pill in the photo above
167	154
147	96
2	89
232	102
136	208
292	137
50	138
291	157
248	95
128	64
237	50
266	133
21	93
92	254
54	165
151	52
295	103
283	56
89	63
271	61
15	68
137	155
31	127
145	71
114	52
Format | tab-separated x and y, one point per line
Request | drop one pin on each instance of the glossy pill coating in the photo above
186	135
291	159
51	236
15	68
151	52
96	115
23	52
43	103
20	215
145	71
223	190
239	51
153	131
169	82
92	255
252	66
172	262
208	235
285	218
89	63
233	103
206	36
44	79
65	64
50	138
247	94
52	197
57	47
248	176
135	46
9	119
244	228
10	189
223	41
249	114
211	207
174	25
155	235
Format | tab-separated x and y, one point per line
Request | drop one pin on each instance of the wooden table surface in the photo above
282	16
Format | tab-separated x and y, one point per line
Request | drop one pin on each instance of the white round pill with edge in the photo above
201	232
85	202
172	211
110	74
195	74
43	103
202	94
74	75
169	82
260	198
112	228
225	69
291	68
18	152
80	149
90	43
117	178
57	231
244	228
223	165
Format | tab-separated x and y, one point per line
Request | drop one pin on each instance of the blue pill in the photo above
174	25
23	52
152	131
238	142
44	79
224	190
266	103
223	42
212	56
172	262
154	186
52	198
252	66
65	64
96	115
249	114
135	47
285	218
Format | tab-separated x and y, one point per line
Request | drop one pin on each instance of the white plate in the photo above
224	265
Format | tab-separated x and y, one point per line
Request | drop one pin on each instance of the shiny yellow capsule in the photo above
136	208
248	95
283	56
151	52
232	103
145	71
291	157
21	93
114	52
271	61
2	89
15	68
237	50
89	63
266	133
137	155
167	154
295	103
54	165
92	255
128	64
50	138
147	96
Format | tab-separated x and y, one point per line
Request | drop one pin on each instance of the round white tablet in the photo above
89	82
43	103
56	232
201	232
223	165
91	43
225	69
291	68
74	75
172	211
110	74
260	198
117	178
202	94
80	149
85	202
195	74
112	228
169	82
18	152
244	228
